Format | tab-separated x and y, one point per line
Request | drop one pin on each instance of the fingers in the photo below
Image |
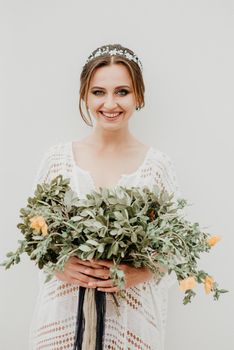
106	263
81	277
89	274
104	286
86	282
78	283
75	260
108	290
99	283
99	273
80	274
61	276
88	268
75	277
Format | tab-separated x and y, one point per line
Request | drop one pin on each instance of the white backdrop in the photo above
187	51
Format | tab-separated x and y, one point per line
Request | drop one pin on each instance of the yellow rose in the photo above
39	225
213	240
187	283
208	284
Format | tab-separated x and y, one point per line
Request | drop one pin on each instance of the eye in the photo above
95	92
125	92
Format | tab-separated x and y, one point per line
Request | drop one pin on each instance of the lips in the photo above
110	113
108	116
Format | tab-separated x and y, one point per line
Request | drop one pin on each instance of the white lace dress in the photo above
141	325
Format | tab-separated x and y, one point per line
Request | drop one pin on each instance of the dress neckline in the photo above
123	176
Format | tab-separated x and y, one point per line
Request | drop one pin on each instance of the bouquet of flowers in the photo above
137	226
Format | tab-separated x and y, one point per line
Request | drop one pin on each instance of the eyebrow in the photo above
117	87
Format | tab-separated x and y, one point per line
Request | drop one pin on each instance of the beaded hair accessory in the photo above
106	50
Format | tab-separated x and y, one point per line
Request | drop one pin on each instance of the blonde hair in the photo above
106	60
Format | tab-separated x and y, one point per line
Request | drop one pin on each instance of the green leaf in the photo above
114	232
48	278
38	238
90	256
115	248
77	218
92	242
84	248
133	237
101	248
9	254
118	215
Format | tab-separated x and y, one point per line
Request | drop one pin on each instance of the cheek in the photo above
128	102
94	102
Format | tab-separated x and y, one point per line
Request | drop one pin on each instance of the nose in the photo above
109	102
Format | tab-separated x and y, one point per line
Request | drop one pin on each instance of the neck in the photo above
111	139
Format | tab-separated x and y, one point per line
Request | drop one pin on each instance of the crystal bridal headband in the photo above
106	50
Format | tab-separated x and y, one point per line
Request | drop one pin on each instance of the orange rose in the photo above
187	283
39	225
208	284
213	240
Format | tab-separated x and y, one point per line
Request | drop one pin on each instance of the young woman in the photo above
111	90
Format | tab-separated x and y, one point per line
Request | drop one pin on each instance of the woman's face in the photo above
111	99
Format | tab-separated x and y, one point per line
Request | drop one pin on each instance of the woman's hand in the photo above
77	271
132	277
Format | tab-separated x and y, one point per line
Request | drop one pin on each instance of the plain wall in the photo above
187	52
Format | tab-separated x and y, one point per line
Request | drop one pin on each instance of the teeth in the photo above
111	115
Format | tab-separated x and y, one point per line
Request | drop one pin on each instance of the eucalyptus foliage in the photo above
138	226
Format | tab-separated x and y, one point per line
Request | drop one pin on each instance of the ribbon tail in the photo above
80	321
100	298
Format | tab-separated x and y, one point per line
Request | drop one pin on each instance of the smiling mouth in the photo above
111	115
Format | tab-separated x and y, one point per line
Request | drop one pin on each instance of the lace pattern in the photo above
142	323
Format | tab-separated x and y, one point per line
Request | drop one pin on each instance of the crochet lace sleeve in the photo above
165	177
170	177
43	173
